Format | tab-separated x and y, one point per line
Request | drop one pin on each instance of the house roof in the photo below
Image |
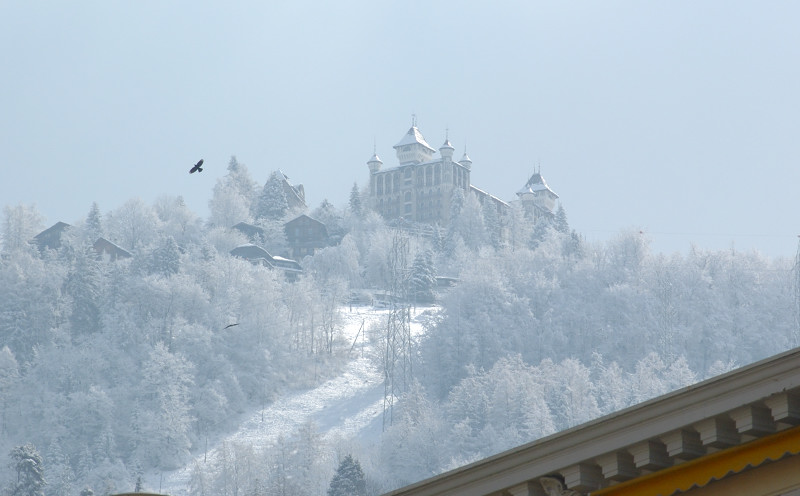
248	229
58	227
51	237
759	401
305	218
102	245
250	252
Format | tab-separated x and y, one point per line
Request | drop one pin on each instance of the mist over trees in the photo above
113	369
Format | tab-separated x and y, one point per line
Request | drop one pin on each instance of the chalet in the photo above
738	433
305	236
50	238
254	233
259	256
107	249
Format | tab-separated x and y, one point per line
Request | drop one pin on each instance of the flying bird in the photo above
198	167
229	325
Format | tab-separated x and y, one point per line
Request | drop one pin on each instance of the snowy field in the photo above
347	406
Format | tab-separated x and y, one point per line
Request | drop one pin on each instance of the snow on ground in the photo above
342	407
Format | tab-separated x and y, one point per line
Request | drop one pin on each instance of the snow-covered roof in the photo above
534	184
414	136
375	158
447	144
484	193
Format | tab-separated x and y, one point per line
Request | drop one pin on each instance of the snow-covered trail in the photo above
342	406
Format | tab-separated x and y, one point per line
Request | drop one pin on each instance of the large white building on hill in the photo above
420	187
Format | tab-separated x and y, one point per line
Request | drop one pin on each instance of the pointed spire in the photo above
374	162
447	148
465	160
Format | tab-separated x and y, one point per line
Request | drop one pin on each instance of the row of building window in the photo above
428	176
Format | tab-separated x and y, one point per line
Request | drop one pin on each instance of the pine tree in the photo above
348	479
272	203
560	223
83	285
355	201
94	224
491	219
30	473
423	278
166	258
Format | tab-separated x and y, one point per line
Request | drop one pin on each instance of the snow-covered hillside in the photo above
348	406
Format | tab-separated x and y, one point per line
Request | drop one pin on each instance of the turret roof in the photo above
414	136
536	183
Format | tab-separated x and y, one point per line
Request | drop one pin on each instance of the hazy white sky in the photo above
681	118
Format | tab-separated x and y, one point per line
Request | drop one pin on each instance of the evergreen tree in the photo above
348	479
83	285
166	258
333	219
20	225
94	224
491	219
355	201
30	473
560	222
423	277
456	205
539	233
272	203
235	197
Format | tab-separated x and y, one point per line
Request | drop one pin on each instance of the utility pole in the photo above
397	363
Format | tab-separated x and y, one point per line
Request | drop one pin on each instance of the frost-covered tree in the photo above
27	463
164	414
355	201
423	277
83	284
492	223
272	203
234	196
333	218
348	479
177	220
9	375
20	224
166	257
469	223
94	223
133	225
560	220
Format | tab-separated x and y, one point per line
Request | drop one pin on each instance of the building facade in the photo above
537	199
420	188
305	236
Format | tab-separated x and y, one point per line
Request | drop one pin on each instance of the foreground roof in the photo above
684	439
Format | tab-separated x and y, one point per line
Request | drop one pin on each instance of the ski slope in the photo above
347	406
